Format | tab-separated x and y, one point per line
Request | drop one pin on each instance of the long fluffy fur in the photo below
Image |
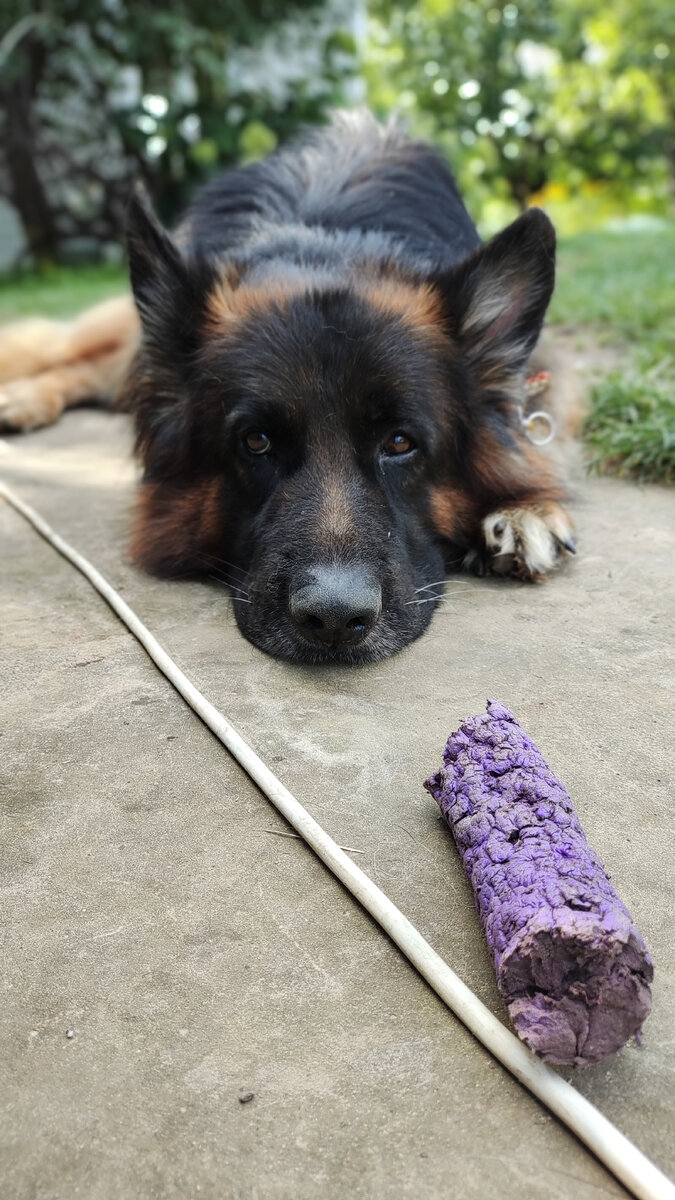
331	295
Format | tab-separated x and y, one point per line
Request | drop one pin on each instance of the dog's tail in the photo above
49	366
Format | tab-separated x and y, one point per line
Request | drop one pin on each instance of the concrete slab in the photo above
196	956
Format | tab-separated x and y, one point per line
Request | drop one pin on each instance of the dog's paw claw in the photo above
524	542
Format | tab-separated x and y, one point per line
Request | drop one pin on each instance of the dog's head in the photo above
327	441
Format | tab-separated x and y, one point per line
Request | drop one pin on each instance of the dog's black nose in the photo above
335	605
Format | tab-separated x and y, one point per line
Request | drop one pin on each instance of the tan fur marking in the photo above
526	473
452	512
176	525
420	307
227	305
335	519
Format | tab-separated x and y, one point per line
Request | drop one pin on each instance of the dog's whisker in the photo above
215	564
438	583
219	558
220	577
463	592
218	561
240	594
243	599
224	562
440	599
223	575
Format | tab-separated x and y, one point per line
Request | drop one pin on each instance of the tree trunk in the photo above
25	186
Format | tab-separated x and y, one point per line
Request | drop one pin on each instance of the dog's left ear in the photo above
497	298
169	291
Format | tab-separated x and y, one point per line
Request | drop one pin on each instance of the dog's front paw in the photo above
524	542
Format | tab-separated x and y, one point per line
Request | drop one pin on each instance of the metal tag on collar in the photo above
539	426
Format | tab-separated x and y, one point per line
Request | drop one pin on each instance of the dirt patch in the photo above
591	357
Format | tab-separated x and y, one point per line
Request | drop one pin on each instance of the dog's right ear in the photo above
496	300
169	291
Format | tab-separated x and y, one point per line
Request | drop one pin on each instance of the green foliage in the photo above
565	103
535	101
255	140
100	94
453	68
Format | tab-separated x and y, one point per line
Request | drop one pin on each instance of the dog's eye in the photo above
399	443
257	442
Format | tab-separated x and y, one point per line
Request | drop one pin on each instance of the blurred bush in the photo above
570	102
565	103
95	94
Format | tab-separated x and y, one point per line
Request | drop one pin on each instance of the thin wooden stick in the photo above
627	1163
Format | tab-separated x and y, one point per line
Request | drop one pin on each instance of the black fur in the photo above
317	198
307	347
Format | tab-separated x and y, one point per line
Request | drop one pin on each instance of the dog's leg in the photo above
524	530
40	399
31	346
46	367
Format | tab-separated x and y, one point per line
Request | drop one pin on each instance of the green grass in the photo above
58	291
620	288
623	282
631	427
615	287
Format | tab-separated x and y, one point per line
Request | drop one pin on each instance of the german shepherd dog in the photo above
326	369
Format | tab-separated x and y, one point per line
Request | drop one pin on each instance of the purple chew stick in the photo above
570	964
